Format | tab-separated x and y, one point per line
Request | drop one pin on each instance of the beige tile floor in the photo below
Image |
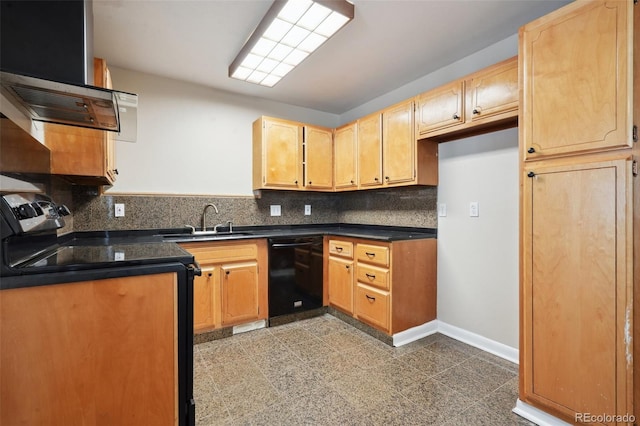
322	371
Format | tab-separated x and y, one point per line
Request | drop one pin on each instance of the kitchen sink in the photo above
205	235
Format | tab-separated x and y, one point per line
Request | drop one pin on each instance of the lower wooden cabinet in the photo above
393	287
577	290
340	275
233	286
101	352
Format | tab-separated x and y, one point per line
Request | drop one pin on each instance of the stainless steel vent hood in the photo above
47	64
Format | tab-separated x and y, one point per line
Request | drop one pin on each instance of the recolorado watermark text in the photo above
604	418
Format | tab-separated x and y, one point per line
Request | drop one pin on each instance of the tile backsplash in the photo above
411	206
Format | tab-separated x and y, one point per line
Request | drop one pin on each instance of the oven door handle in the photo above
194	269
286	245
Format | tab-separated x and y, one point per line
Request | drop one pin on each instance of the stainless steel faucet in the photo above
204	215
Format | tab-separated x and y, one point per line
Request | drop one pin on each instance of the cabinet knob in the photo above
352	182
456	117
346	266
376	179
210	274
227	272
531	174
310	182
296	182
476	111
386	177
531	150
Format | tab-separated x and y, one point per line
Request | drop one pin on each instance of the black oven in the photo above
295	275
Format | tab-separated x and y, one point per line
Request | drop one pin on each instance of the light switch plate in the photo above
276	210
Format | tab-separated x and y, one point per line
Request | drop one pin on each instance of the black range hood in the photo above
46	63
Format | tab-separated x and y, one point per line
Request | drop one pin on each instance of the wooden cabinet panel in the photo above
372	306
277	154
341	248
493	93
96	352
239	287
204	297
345	157
440	108
373	276
576	297
83	156
318	158
231	289
374	254
341	281
398	143
370	151
577	81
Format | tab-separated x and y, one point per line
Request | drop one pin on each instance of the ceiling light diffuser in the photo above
289	32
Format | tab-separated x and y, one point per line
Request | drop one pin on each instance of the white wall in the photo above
478	256
193	139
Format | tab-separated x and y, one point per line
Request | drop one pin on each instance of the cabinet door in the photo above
492	94
204	287
370	151
282	153
341	281
399	144
576	289
440	109
84	156
318	158
577	79
372	306
239	288
345	157
93	352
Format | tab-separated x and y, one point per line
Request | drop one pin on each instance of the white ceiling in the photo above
388	44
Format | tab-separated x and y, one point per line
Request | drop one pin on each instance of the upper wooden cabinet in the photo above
370	151
83	156
398	144
492	93
483	101
576	75
345	148
440	108
277	154
318	161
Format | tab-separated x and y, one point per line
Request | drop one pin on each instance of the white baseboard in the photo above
415	333
243	328
537	416
480	342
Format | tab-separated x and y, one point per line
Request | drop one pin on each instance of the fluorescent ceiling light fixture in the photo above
289	32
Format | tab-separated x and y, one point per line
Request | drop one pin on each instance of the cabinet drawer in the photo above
377	255
372	306
221	253
371	275
341	248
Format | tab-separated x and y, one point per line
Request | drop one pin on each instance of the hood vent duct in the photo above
47	64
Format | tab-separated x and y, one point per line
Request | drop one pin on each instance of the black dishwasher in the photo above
295	275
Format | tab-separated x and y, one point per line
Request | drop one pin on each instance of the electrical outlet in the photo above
474	209
307	209
119	210
276	210
442	209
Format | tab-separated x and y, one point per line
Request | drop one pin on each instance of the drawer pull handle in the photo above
370	276
371	255
370	298
338	249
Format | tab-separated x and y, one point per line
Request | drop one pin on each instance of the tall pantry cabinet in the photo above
580	198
